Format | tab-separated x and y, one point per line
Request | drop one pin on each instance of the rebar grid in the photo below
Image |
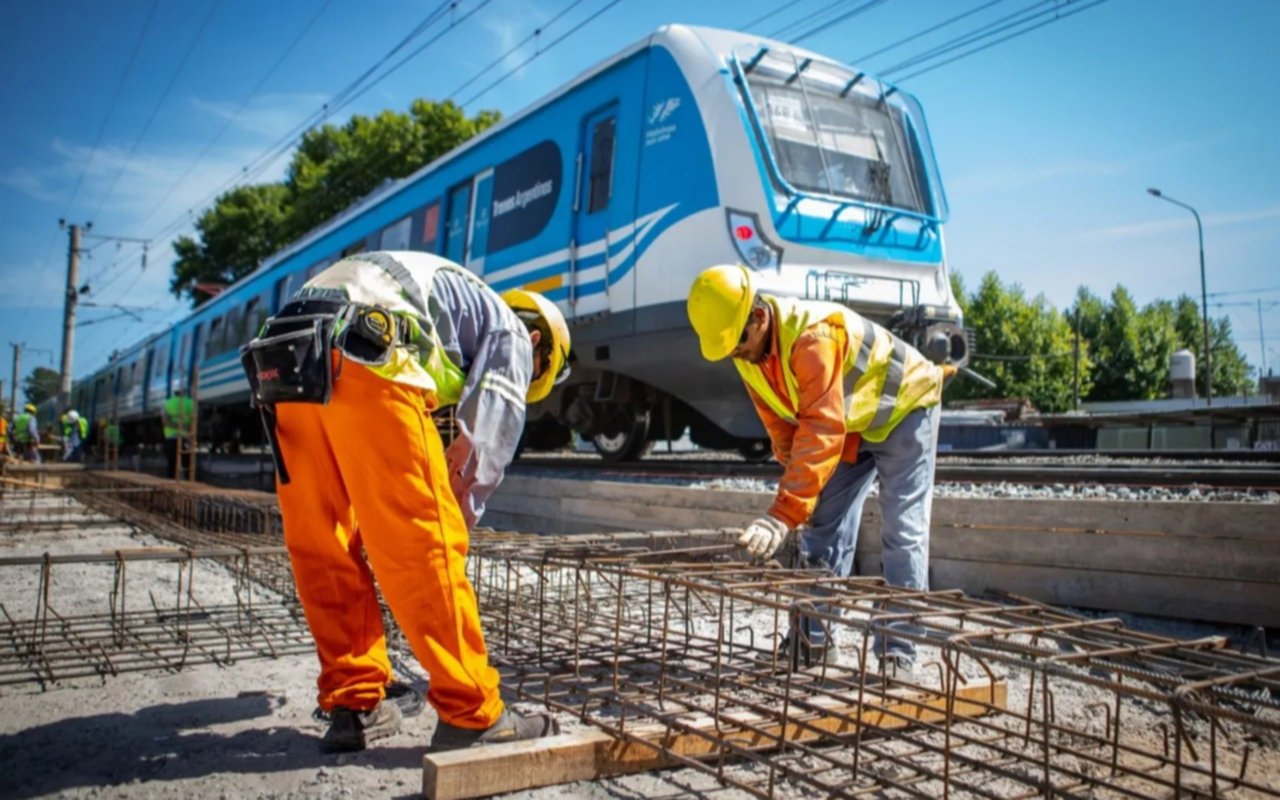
682	656
666	643
132	633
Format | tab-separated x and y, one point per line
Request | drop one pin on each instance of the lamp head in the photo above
1154	192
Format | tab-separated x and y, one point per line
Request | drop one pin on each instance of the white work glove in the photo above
763	537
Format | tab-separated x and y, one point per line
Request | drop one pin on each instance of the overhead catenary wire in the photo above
1021	32
284	56
348	94
815	30
343	180
893	46
164	96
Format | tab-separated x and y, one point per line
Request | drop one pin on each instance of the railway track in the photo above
1252	475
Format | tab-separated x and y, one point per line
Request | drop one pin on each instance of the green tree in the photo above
333	167
244	226
1231	372
40	385
1024	345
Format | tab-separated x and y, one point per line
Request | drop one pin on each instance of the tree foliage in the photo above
1027	346
333	167
40	385
1024	345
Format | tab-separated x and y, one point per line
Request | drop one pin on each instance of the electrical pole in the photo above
13	390
69	314
1262	341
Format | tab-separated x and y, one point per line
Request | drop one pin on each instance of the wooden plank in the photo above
1237	602
483	771
1126	553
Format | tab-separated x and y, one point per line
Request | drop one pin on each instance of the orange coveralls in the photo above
811	449
394	485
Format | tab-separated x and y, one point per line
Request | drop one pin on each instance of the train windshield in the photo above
839	133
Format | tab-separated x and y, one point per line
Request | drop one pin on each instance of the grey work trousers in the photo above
905	463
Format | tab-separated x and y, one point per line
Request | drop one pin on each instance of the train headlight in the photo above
753	248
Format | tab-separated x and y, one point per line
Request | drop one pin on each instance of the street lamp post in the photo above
1204	295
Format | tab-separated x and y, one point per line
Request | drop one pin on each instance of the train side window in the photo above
459	217
231	328
431	227
284	290
213	343
396	235
353	248
602	141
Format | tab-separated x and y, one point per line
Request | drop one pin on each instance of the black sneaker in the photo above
351	730
403	695
510	727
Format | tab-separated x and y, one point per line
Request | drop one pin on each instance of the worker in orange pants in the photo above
363	468
414	536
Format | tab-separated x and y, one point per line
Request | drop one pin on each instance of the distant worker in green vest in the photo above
26	434
75	432
177	414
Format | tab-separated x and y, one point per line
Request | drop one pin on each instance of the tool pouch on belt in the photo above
289	362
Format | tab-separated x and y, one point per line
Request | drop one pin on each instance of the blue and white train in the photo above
692	147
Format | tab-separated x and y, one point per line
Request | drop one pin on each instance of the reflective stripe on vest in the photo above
884	378
377	279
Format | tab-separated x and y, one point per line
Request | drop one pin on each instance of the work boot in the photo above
403	695
510	727
806	656
351	730
899	668
407	698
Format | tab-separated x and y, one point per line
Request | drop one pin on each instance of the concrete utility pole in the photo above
69	313
1262	341
13	390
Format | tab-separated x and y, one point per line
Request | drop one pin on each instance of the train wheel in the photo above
756	450
631	440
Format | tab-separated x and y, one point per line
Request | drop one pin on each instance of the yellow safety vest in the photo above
405	292
884	378
82	424
22	428
178	410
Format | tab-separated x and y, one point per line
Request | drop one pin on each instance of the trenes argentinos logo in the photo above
663	109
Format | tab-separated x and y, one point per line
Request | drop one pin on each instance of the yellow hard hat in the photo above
30	408
546	317
719	305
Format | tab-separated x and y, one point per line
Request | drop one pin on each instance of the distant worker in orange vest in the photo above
362	468
4	435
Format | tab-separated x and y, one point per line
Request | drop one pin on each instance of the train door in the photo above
481	211
590	249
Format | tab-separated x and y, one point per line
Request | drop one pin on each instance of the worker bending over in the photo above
842	399
401	334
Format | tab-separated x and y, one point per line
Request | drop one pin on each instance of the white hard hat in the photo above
73	415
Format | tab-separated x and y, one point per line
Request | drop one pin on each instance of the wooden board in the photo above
483	771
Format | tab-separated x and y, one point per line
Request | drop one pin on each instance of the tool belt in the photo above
289	361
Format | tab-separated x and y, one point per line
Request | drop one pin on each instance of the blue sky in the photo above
1046	143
